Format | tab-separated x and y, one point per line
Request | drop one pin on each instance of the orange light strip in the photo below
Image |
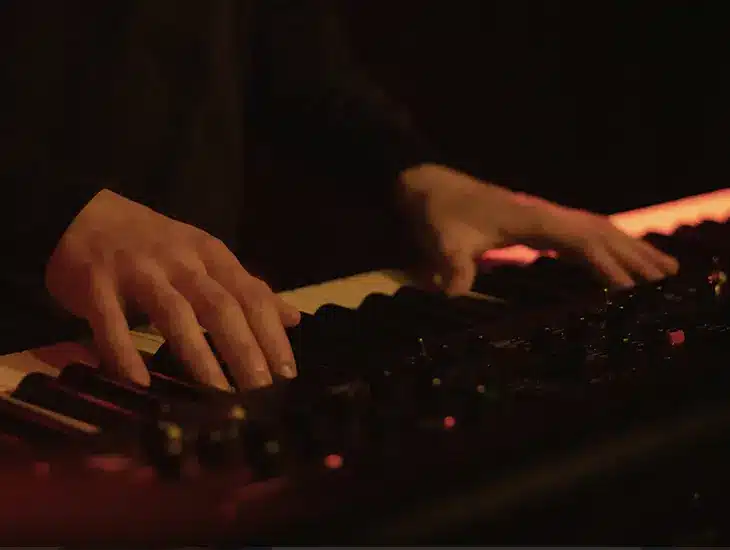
660	218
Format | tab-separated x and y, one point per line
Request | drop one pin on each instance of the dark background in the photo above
606	106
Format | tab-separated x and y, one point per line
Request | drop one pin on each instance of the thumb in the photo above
458	271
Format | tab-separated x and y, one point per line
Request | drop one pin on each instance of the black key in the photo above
665	243
179	392
325	342
43	428
332	329
90	381
45	391
569	279
396	329
165	362
445	313
522	286
164	439
413	314
161	440
711	235
685	245
350	340
297	337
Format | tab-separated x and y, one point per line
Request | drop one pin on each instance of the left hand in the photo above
460	218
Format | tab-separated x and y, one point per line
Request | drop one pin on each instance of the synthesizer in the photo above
539	409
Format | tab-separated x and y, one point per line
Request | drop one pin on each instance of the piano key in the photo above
384	323
89	380
165	362
160	441
337	338
713	235
534	286
453	312
692	254
225	424
45	391
510	370
399	313
42	427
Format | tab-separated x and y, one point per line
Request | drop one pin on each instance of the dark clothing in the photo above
156	100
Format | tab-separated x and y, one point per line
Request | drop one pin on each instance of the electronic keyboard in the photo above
539	409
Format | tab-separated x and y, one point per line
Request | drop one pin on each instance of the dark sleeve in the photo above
309	95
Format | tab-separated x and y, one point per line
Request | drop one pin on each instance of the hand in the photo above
118	255
462	218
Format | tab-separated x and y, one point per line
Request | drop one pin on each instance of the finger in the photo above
171	313
458	272
258	304
241	348
224	267
111	331
289	315
631	258
668	264
607	267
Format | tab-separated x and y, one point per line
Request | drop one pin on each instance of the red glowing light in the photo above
676	337
333	462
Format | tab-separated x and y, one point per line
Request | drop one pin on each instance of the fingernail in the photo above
218	381
288	370
263	378
142	379
222	385
225	386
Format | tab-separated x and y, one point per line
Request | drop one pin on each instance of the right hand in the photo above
118	255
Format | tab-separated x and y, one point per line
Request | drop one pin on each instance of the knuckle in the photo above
261	288
257	303
171	302
93	280
129	261
94	243
90	271
248	349
536	219
212	245
255	293
184	267
75	249
587	242
219	304
605	227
